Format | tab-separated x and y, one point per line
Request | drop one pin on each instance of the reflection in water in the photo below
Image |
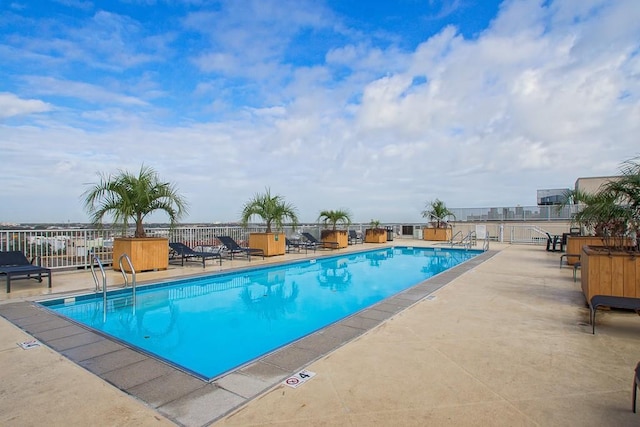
269	296
375	257
335	275
154	319
441	261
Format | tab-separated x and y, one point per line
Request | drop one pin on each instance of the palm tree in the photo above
613	213
128	197
626	191
437	211
333	218
272	209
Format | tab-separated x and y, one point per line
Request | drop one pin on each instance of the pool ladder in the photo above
126	279
123	257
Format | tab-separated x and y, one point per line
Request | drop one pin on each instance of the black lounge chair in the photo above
234	248
299	245
15	265
626	303
354	238
317	243
186	253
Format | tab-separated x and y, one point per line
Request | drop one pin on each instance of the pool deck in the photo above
505	341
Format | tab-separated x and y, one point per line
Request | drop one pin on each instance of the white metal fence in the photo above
517	213
68	248
506	232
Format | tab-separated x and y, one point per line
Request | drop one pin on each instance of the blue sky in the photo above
373	106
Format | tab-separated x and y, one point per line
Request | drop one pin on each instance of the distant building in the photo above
553	196
592	185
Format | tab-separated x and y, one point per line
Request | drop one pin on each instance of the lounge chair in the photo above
234	248
354	238
317	243
15	265
186	253
298	245
626	303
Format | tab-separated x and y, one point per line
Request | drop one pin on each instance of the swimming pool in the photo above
212	324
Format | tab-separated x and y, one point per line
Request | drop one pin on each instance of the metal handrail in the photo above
540	231
126	280
93	273
451	241
104	284
472	239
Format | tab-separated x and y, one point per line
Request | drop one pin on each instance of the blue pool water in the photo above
212	324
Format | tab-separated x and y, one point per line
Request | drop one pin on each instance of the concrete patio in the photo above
504	342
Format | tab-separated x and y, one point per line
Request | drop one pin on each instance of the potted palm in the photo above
128	197
613	213
274	211
333	218
375	233
586	221
437	213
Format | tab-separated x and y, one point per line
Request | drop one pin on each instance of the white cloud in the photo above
547	93
79	90
11	105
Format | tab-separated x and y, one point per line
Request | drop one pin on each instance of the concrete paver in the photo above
40	387
506	343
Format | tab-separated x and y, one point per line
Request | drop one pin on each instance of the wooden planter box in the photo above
146	253
377	235
575	244
271	243
339	236
436	234
609	273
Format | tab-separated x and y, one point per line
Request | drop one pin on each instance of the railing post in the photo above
85	252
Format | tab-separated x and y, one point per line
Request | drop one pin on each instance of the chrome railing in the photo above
125	257
96	260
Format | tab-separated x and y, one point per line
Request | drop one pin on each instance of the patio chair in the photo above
354	238
15	265
554	243
234	248
186	253
317	243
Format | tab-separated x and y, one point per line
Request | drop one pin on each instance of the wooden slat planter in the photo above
271	243
146	253
436	234
375	235
609	273
339	236
575	244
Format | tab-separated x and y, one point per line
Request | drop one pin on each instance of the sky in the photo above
375	106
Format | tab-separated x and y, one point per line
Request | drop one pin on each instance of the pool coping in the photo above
189	400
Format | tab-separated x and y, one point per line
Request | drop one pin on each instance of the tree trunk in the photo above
139	228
